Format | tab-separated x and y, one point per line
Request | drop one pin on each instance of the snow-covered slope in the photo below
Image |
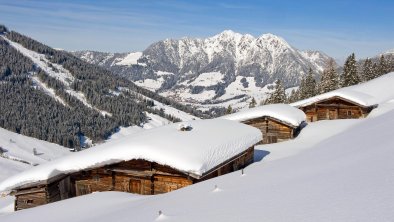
18	154
217	69
58	72
343	171
337	170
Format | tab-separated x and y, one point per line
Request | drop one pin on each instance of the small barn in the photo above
155	161
277	122
336	105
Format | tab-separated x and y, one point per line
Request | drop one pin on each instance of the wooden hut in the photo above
277	122
151	162
335	107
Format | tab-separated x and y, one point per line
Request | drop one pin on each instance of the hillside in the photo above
337	170
228	68
20	152
52	95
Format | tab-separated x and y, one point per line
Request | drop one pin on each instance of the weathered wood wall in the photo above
42	194
29	198
334	108
273	130
134	176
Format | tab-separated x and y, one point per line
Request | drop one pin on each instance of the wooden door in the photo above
332	114
81	188
127	184
135	186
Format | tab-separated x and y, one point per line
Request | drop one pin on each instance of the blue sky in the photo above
333	26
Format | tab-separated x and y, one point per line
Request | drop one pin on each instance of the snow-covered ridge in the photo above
208	144
236	56
130	59
370	93
282	112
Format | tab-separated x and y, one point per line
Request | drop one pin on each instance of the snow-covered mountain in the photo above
226	67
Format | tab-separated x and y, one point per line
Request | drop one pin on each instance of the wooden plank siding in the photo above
273	130
134	176
42	194
335	108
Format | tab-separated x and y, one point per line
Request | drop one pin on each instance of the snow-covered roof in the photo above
366	94
282	112
204	146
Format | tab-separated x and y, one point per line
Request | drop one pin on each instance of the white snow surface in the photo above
370	93
283	112
209	143
130	59
172	111
6	204
151	84
20	148
49	91
341	174
155	121
208	79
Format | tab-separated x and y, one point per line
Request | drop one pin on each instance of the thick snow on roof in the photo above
370	93
283	112
208	144
341	170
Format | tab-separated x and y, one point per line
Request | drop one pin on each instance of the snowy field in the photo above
342	176
18	148
338	170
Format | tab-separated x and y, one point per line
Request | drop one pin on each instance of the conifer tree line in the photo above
353	73
31	112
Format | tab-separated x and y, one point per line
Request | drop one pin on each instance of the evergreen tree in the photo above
329	79
229	109
383	67
375	70
278	95
368	71
3	29
293	96
252	103
349	76
308	86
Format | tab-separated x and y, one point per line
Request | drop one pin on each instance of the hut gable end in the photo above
335	108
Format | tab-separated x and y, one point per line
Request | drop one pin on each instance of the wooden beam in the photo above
30	191
41	182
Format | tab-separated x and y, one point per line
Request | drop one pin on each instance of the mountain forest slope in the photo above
53	96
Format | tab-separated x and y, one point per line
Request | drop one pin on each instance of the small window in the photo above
96	178
349	113
29	201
